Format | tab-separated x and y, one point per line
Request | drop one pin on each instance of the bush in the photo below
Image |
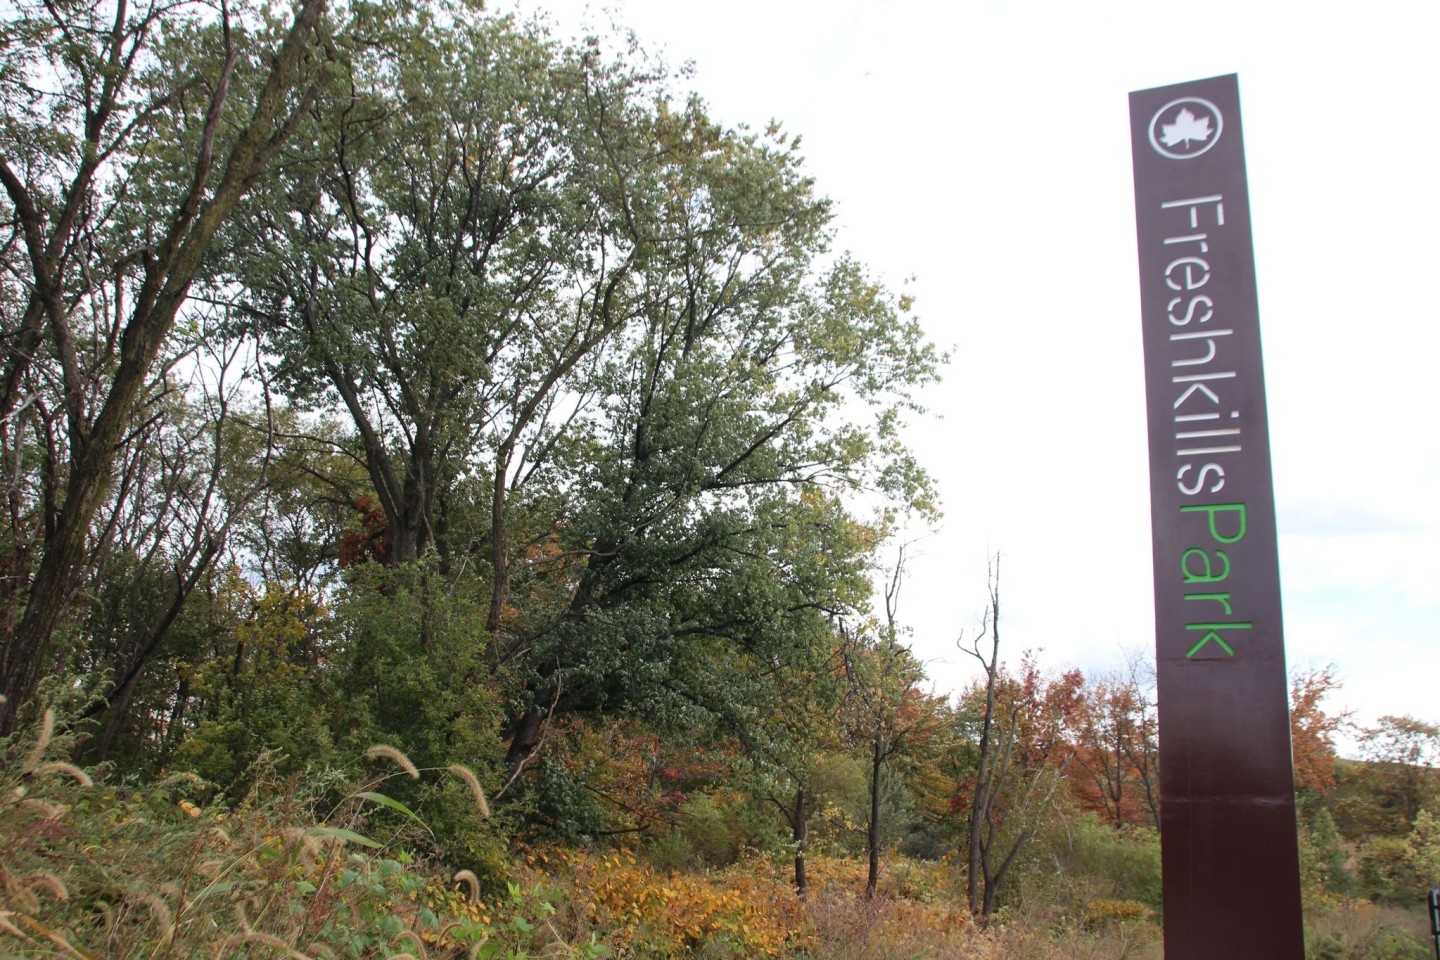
1112	864
1323	856
1356	930
1384	872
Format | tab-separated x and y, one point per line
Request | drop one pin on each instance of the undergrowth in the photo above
326	866
331	865
168	870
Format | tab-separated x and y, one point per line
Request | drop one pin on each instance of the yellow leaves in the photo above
1107	911
675	914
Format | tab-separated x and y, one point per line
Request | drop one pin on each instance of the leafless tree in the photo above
1020	752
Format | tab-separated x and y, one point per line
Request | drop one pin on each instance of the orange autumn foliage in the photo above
1313	731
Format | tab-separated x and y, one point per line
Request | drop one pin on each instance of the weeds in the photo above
98	870
90	869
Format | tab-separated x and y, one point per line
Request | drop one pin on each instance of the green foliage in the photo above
1401	869
1102	862
715	829
1323	858
408	660
1383	870
710	836
1360	931
560	801
409	657
1422	849
1400	776
258	681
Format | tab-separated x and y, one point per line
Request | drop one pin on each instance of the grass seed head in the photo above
46	809
24	899
470	880
50	882
185	776
47	729
414	938
471	781
11	929
395	756
69	769
161	913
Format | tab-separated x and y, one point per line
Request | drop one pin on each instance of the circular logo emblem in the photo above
1185	128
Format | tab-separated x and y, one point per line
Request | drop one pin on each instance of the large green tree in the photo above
575	361
596	353
455	237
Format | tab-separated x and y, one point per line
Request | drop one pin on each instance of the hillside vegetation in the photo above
452	492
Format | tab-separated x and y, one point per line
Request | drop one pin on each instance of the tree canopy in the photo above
411	285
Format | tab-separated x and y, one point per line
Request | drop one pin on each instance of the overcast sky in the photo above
983	148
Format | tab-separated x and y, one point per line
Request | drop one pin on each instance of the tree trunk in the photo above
872	832
499	548
984	795
800	832
119	701
527	729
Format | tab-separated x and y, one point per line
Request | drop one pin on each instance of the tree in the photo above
795	734
193	469
886	713
589	357
1020	753
1406	755
882	713
1423	849
1115	768
455	238
253	679
1323	857
133	133
1312	730
715	466
552	397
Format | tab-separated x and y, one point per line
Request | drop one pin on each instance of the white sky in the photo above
983	147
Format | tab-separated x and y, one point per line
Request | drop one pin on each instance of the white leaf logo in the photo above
1187	127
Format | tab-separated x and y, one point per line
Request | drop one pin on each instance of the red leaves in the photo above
372	541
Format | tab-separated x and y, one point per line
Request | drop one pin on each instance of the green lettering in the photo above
1212	634
1222	598
1192	576
1214	508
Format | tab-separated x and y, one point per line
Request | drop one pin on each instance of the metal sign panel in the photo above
1228	845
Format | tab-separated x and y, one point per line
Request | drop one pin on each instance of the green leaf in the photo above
392	803
350	836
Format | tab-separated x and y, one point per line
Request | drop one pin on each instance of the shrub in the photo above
1116	864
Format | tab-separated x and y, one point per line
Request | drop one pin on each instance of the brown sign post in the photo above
1227	834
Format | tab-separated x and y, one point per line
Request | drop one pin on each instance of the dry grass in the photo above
98	870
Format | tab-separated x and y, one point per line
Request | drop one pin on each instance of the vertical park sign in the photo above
1227	809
